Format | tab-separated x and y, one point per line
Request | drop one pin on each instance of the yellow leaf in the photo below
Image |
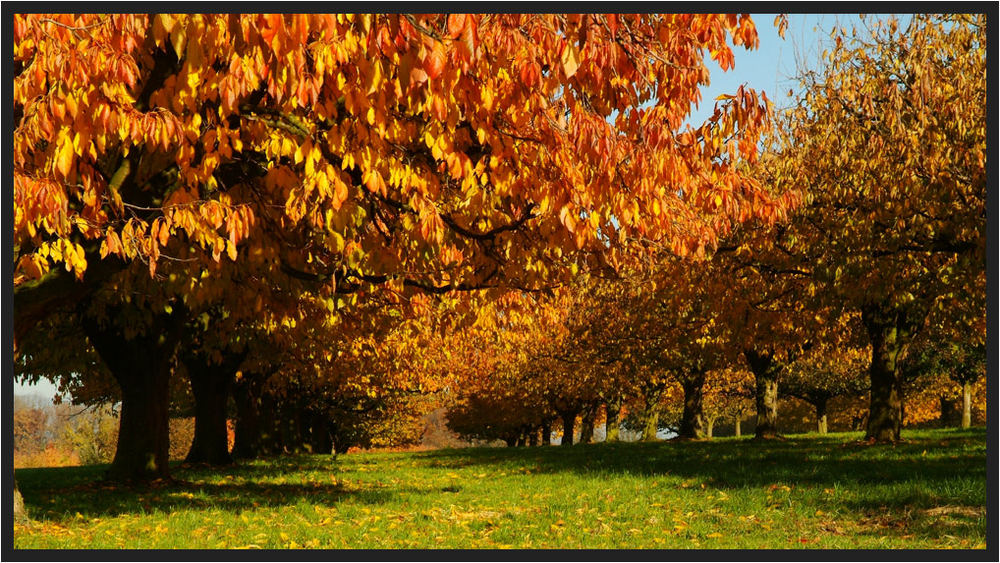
64	154
570	60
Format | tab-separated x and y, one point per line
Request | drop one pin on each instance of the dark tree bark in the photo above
142	367
889	331
246	395
320	438
587	424
766	372
211	386
272	429
693	419
547	433
966	404
569	425
947	416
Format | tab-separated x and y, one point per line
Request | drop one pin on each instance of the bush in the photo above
92	434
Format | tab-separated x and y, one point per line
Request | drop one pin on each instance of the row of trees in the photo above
203	186
880	265
297	211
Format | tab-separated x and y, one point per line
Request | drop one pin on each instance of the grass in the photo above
809	491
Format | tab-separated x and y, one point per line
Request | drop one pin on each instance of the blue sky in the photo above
772	66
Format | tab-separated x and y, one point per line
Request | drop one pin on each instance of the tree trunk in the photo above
320	440
20	514
569	424
966	404
709	426
210	385
246	395
766	372
587	424
652	426
692	419
533	437
142	367
739	431
547	433
290	428
888	333
612	426
820	405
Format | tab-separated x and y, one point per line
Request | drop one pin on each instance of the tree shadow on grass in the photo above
59	492
909	473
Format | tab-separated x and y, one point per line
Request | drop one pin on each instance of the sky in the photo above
769	68
772	66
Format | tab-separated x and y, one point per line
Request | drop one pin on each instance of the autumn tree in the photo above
352	154
824	373
888	140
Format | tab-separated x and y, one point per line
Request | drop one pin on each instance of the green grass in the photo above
809	491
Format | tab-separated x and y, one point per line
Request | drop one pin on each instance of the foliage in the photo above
270	140
92	433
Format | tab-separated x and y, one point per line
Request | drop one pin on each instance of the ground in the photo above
808	491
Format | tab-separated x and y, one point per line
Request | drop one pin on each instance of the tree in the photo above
332	152
827	371
92	433
889	137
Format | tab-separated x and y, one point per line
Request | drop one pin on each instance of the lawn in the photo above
808	491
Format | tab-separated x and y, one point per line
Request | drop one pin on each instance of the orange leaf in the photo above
434	63
456	23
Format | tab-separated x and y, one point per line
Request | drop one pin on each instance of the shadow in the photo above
60	492
884	483
816	461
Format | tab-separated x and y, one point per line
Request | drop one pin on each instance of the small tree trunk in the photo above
612	426
739	431
246	395
142	367
547	433
821	415
652	426
766	372
321	441
709	426
888	336
210	386
533	437
587	424
569	425
271	442
966	404
947	411
20	514
521	440
692	419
